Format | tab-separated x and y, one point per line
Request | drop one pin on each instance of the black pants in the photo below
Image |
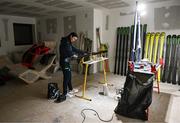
66	77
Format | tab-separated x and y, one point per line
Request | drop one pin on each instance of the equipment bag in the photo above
53	91
136	97
4	75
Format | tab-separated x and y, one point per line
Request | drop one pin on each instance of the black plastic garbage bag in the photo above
136	97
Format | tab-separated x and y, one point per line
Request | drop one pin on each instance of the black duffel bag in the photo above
53	91
136	97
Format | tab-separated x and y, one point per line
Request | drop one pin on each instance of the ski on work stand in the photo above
167	60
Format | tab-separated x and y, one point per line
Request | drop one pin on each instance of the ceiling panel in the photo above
42	1
5	3
49	7
117	5
54	12
103	1
68	5
27	14
34	9
55	2
73	7
155	1
3	11
109	3
18	6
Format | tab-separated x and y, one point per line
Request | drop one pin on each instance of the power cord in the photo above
84	116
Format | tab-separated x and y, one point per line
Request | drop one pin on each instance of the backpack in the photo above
53	91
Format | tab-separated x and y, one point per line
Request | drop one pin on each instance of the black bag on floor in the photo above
4	75
53	91
136	97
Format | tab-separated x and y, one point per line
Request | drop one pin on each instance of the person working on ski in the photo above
68	51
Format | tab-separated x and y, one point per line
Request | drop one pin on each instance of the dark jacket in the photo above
67	50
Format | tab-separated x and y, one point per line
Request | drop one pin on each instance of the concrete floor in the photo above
28	103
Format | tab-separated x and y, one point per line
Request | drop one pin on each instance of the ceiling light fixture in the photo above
141	8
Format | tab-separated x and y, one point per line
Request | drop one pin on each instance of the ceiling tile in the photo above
117	6
109	3
68	5
18	6
49	7
104	1
5	3
72	7
32	8
55	2
42	1
54	12
155	1
2	11
26	14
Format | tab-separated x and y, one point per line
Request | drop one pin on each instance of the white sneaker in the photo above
73	91
69	95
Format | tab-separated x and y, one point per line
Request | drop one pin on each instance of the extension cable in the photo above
84	116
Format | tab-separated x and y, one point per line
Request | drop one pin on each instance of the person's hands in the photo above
87	53
75	56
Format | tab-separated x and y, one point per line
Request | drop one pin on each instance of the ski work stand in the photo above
92	60
145	68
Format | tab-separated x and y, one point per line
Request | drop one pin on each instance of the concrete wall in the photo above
8	46
100	22
42	28
117	21
84	23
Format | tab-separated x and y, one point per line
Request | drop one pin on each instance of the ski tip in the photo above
157	34
163	33
173	36
145	25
